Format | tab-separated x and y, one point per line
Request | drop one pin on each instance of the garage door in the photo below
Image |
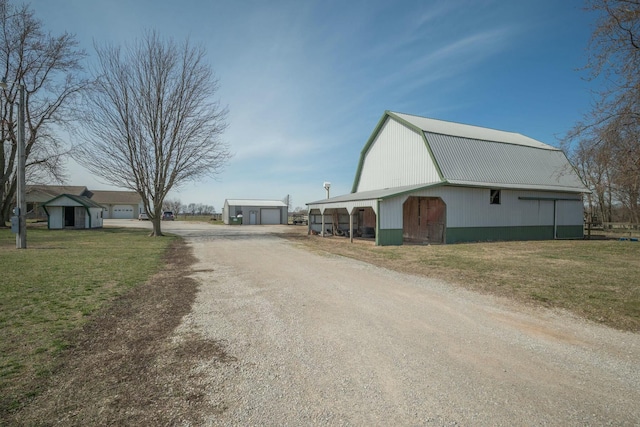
270	216
123	212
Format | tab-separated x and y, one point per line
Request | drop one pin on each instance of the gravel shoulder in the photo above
319	339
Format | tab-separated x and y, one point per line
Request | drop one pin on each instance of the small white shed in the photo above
254	212
70	211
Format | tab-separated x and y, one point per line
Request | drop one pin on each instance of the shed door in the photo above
123	212
270	216
79	221
424	220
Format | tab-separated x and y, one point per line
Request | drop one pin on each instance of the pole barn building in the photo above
254	212
422	181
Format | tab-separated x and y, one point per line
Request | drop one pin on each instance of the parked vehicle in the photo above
300	219
168	216
143	217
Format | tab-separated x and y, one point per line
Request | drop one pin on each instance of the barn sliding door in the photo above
424	220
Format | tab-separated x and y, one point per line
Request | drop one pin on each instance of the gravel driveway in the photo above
319	339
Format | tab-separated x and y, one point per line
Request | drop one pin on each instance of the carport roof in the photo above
375	194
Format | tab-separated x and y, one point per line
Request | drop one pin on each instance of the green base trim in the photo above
389	237
484	234
571	232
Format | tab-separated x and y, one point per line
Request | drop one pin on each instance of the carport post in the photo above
322	215
351	226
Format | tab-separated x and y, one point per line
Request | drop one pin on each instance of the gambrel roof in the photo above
474	156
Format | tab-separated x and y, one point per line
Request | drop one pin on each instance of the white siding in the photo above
225	213
470	207
391	213
397	157
56	217
96	218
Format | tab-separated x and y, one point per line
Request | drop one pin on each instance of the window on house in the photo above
494	198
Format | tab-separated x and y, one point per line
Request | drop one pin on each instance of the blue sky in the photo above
307	81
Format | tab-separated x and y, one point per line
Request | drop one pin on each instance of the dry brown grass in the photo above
595	279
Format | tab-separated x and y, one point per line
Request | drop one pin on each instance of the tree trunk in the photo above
157	227
7	203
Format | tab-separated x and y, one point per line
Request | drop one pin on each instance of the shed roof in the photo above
255	202
83	201
42	193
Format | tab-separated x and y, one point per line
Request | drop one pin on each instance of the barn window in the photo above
494	198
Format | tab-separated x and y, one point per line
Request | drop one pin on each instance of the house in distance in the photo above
421	180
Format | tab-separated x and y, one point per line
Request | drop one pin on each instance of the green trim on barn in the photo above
389	237
484	234
571	232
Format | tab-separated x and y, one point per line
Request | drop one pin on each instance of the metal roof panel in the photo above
501	164
374	194
468	131
255	202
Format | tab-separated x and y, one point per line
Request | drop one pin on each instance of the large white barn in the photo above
422	180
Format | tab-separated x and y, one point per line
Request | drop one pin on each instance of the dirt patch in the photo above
126	367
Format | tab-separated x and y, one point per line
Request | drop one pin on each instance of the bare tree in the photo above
173	205
607	139
300	210
152	123
593	162
49	68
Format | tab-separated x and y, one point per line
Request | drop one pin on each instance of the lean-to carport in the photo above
365	208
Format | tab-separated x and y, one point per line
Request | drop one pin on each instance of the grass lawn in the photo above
595	279
51	289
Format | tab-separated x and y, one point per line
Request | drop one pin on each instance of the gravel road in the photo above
317	339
